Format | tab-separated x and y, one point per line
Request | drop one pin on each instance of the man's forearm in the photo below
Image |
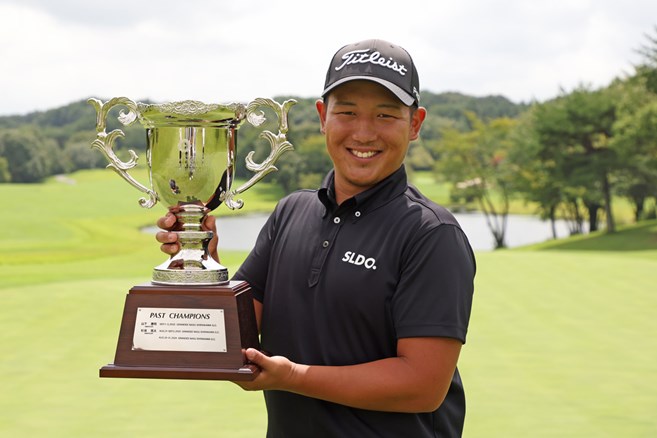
415	381
384	385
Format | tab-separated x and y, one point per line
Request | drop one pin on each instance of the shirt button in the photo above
325	244
336	220
357	214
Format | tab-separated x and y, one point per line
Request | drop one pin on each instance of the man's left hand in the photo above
276	372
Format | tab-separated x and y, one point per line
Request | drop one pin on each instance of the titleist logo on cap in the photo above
363	57
379	61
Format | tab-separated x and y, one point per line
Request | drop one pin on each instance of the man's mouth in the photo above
363	154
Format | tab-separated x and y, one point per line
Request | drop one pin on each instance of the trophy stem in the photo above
192	265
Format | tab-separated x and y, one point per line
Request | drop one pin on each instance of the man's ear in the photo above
321	111
416	122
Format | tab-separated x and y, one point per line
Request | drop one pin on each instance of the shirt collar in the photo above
372	198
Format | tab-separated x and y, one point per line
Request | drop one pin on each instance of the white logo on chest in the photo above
359	260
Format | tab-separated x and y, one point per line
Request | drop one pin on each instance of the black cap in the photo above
378	61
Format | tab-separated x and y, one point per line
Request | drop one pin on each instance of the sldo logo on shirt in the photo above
359	260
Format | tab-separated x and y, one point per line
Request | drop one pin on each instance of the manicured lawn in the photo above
56	336
562	340
562	345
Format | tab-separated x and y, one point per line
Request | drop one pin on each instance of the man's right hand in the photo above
168	239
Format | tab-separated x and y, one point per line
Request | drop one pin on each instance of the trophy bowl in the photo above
191	150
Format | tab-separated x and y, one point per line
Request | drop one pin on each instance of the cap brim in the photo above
406	98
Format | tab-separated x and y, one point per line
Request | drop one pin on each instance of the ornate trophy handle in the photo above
105	142
278	142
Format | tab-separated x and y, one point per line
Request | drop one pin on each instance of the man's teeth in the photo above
360	154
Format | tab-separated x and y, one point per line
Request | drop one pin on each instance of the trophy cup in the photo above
190	321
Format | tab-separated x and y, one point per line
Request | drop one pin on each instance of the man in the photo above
363	288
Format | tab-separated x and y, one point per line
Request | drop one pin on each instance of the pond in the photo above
240	232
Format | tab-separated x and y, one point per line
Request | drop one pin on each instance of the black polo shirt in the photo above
341	284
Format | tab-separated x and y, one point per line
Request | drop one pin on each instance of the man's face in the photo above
367	131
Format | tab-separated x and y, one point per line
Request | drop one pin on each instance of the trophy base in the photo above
246	373
186	332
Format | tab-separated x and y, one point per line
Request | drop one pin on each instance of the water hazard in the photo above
240	232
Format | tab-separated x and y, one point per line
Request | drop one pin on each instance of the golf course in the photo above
562	339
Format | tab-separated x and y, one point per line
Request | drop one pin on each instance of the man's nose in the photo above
364	131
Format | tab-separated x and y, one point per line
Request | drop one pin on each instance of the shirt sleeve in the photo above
255	267
434	294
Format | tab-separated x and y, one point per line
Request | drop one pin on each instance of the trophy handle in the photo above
278	142
105	142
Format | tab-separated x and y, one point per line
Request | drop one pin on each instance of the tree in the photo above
77	153
647	69
477	162
29	156
419	158
5	176
533	178
305	167
574	132
635	130
635	142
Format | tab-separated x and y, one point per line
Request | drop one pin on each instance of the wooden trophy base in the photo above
186	332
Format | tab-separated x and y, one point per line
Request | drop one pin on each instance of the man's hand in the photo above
276	372
169	237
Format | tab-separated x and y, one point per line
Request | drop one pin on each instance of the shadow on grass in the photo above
639	237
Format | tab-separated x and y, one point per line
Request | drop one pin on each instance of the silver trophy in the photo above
191	150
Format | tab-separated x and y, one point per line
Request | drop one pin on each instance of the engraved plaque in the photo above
171	329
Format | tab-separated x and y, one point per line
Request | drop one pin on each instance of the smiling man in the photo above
363	288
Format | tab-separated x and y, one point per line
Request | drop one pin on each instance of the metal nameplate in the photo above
169	329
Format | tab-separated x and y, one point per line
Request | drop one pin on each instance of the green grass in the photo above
561	343
95	216
426	183
56	337
638	240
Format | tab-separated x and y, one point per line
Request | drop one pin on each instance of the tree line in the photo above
571	156
41	144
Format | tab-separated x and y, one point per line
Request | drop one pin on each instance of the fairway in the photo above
561	344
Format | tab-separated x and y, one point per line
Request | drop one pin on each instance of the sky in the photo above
54	52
